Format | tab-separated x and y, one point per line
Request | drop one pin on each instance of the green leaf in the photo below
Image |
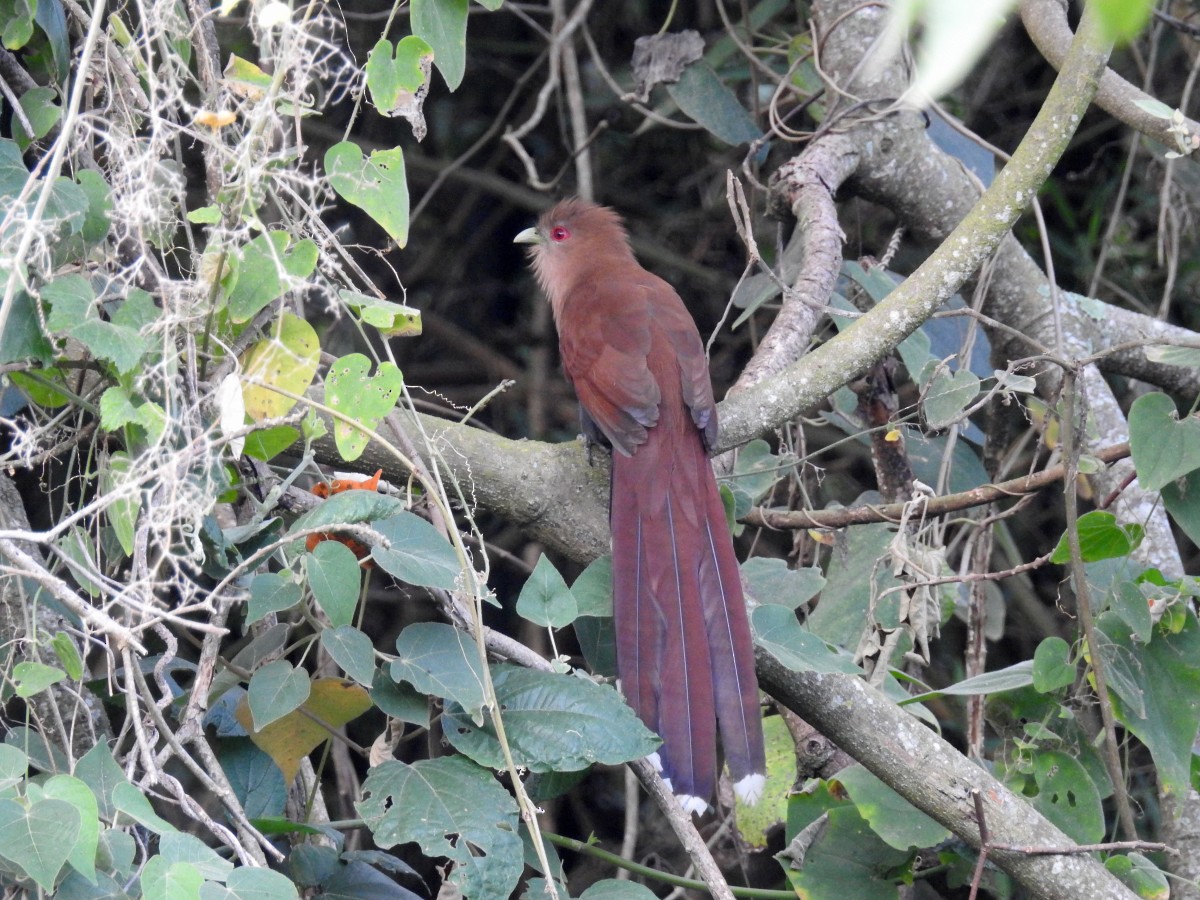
334	577
1157	693
76	545
352	650
415	551
399	700
592	589
399	79
100	772
181	847
777	631
390	319
18	25
1100	537
133	804
14	766
82	855
545	598
270	593
1018	675
443	24
1123	20
376	185
754	473
438	659
171	881
205	215
769	580
554	723
947	395
1182	500
1163	446
275	690
23	337
267	443
73	312
853	577
264	269
1132	603
891	816
252	883
451	808
349	508
41	111
1067	796
39	839
257	781
122	512
611	889
31	678
98	220
287	360
1052	666
1168	354
365	399
704	97
845	857
1140	875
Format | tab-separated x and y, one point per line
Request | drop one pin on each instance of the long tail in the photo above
684	651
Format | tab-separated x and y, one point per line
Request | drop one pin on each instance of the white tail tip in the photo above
689	803
750	789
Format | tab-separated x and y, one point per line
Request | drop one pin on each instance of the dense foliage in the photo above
302	573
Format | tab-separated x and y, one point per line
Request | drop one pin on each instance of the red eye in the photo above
559	233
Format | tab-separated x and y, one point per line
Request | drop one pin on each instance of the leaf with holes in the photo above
1067	796
452	808
365	399
376	185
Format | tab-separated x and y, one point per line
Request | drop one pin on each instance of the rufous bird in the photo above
685	658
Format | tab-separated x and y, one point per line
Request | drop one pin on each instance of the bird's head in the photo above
573	241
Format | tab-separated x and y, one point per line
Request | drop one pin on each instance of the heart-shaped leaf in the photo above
1163	447
367	399
948	395
263	271
39	839
399	79
286	360
376	185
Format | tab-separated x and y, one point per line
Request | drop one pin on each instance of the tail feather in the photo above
684	652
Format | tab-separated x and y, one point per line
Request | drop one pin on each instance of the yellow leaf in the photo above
288	360
215	120
332	703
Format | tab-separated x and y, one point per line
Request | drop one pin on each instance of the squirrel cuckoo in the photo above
632	351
